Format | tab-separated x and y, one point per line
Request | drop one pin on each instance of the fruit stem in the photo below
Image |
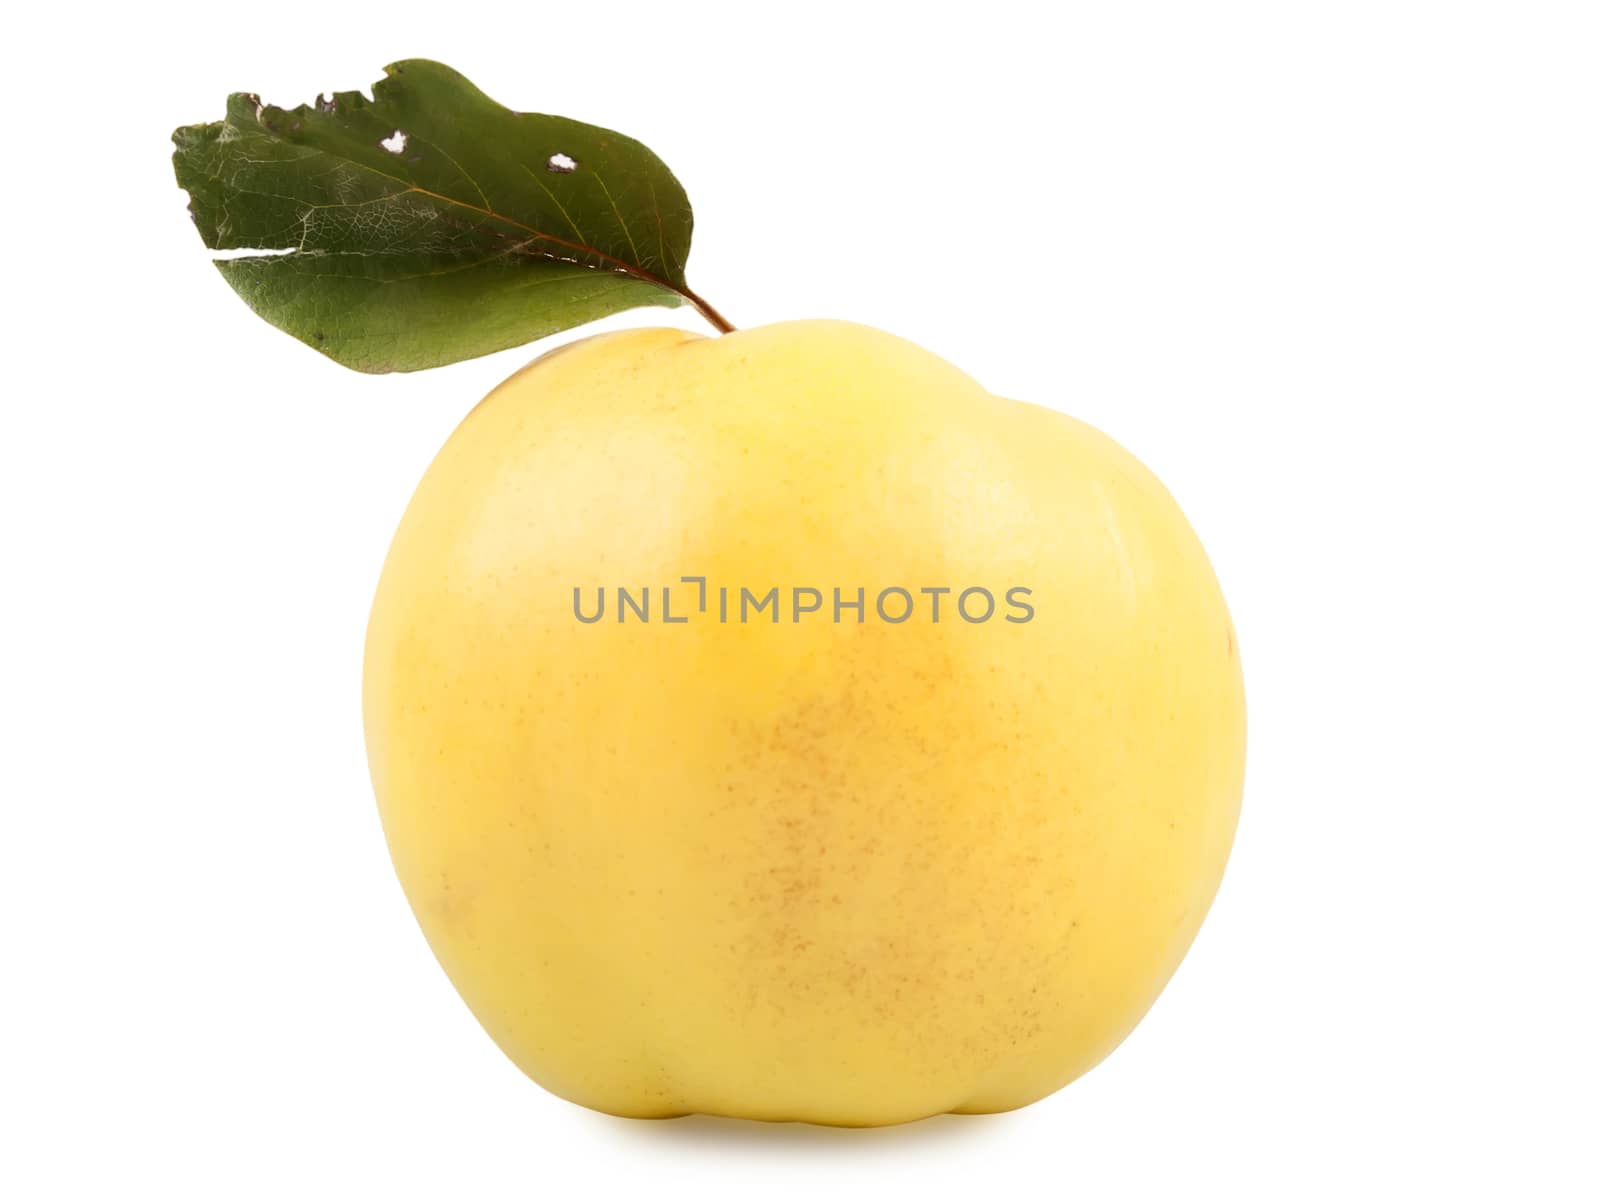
718	321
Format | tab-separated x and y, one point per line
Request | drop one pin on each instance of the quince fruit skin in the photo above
850	873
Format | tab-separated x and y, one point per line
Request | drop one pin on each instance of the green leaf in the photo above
430	224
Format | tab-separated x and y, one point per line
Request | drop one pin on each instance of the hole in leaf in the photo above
250	252
395	143
561	164
325	103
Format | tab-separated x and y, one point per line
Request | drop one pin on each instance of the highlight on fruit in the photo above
774	724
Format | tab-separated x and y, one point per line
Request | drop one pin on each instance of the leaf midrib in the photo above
408	188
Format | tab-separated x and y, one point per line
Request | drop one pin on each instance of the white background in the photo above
1332	270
